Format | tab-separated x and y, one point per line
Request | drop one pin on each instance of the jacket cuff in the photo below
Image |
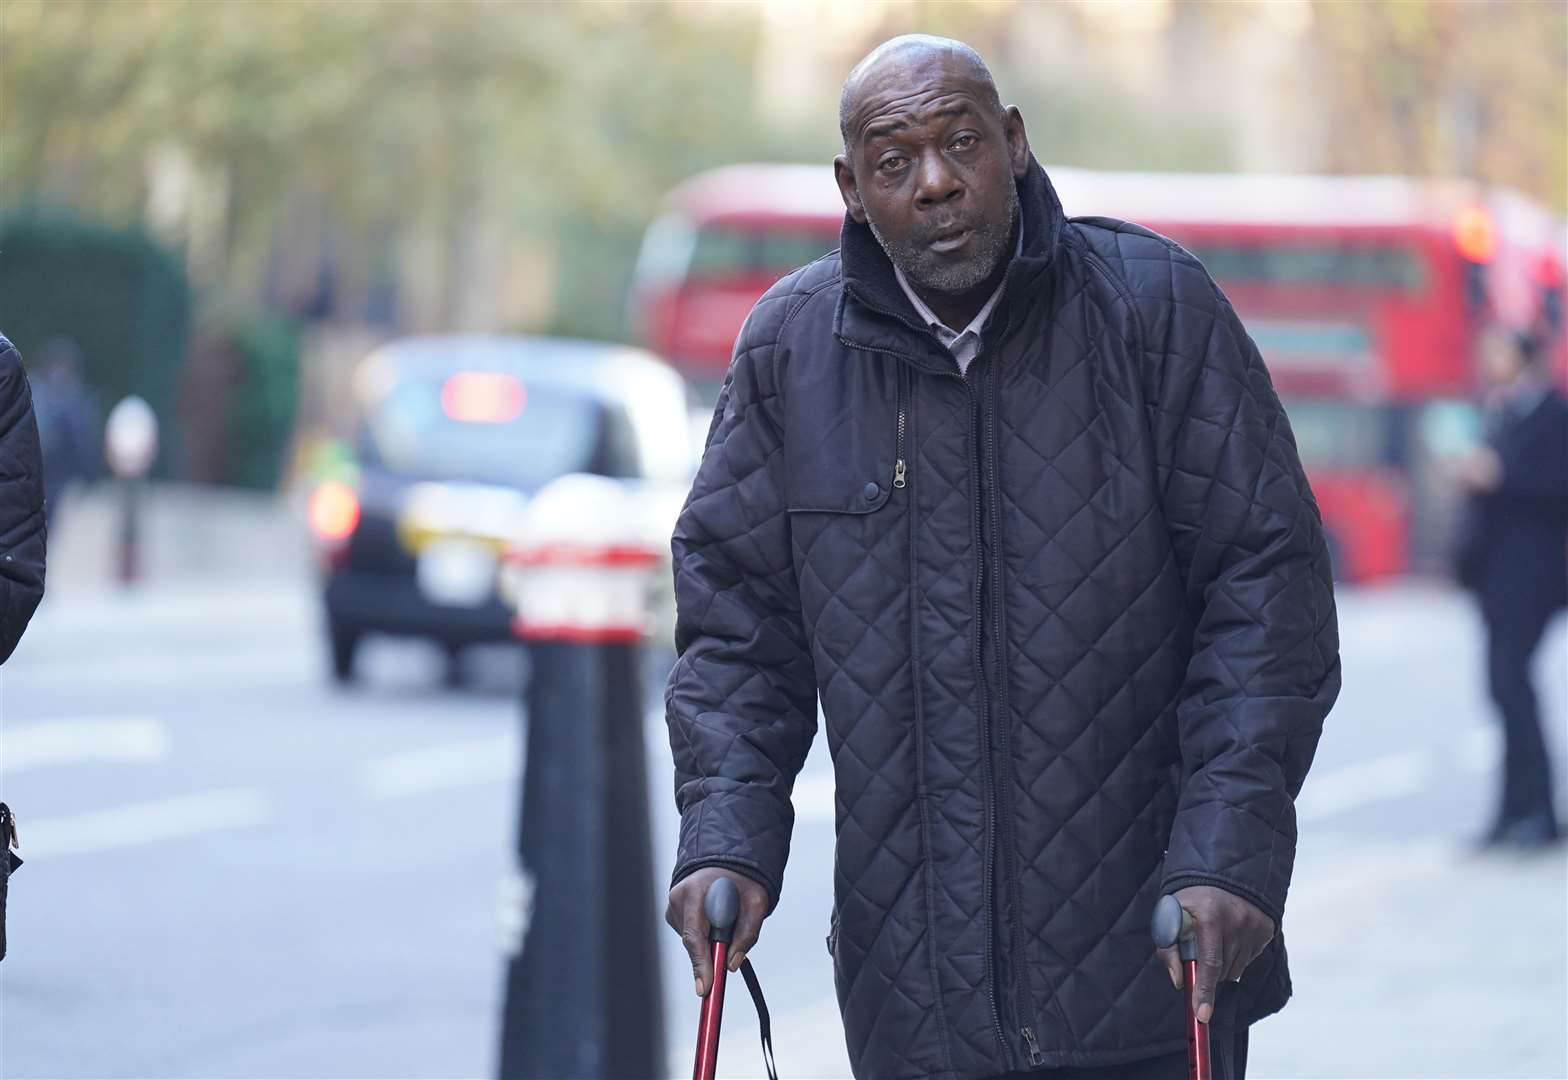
741	866
1181	879
743	829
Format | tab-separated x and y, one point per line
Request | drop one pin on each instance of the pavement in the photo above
235	869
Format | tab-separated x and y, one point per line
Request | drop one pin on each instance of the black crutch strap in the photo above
765	1026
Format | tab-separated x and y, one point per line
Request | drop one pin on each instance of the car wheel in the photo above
345	645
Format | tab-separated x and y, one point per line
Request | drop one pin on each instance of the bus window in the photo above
1338	435
723	251
1317	263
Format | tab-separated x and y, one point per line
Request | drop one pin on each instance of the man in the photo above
1012	494
1515	558
21	504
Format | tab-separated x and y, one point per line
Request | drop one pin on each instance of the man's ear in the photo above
1017	142
845	175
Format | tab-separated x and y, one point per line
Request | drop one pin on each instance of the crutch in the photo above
1173	926
722	906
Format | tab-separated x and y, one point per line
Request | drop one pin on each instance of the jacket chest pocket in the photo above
846	453
846	488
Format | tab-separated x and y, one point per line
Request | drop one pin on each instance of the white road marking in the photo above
813	798
145	823
438	768
184	668
69	740
1378	779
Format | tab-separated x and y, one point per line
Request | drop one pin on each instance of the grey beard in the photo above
923	269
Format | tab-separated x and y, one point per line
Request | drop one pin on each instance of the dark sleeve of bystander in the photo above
21	503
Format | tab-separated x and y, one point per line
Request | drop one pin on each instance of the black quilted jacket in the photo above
1071	624
21	503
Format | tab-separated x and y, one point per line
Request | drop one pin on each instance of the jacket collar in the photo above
874	313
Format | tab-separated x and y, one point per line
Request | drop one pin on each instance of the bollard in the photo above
583	994
130	445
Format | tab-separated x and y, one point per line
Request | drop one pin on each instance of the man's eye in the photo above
964	142
892	164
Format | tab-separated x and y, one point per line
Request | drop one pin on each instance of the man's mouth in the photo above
949	240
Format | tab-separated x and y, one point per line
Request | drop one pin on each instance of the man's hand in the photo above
1231	933
1481	470
686	916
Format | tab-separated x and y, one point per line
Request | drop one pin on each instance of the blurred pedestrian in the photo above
67	422
1514	556
22	526
1011	494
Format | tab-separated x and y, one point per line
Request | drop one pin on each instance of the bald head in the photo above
902	59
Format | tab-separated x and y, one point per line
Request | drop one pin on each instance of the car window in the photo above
481	427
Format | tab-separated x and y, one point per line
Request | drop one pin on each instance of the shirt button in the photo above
871	491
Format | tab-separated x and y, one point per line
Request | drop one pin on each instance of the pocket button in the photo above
871	491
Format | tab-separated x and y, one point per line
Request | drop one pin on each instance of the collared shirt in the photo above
963	344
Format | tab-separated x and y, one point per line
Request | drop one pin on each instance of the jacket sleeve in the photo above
741	700
21	503
1248	538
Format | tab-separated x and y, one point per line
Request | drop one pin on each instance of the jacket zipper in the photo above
898	462
987	779
1035	1057
1015	921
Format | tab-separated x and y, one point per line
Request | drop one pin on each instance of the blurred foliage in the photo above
261	409
428	164
114	292
1433	87
239	398
400	129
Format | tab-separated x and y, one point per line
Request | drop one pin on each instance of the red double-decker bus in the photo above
1366	296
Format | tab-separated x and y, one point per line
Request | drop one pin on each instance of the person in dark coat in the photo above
67	419
21	503
1515	558
1011	494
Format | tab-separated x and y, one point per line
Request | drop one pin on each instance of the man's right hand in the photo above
686	916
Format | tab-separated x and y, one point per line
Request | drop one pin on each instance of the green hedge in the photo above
115	292
261	409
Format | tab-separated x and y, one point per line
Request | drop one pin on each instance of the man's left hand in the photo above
1231	933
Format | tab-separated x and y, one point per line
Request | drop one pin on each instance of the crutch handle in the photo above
1173	925
722	906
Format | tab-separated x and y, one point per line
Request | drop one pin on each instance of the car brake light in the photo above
334	511
483	397
1474	234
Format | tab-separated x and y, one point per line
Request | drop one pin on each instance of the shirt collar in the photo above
930	317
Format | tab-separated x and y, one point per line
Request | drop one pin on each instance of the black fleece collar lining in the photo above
869	281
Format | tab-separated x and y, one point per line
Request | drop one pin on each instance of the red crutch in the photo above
1173	926
721	905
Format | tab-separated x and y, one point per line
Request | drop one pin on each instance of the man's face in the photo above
1501	363
930	168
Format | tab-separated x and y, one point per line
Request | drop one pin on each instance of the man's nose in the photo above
938	182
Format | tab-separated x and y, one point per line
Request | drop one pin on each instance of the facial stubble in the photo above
926	270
